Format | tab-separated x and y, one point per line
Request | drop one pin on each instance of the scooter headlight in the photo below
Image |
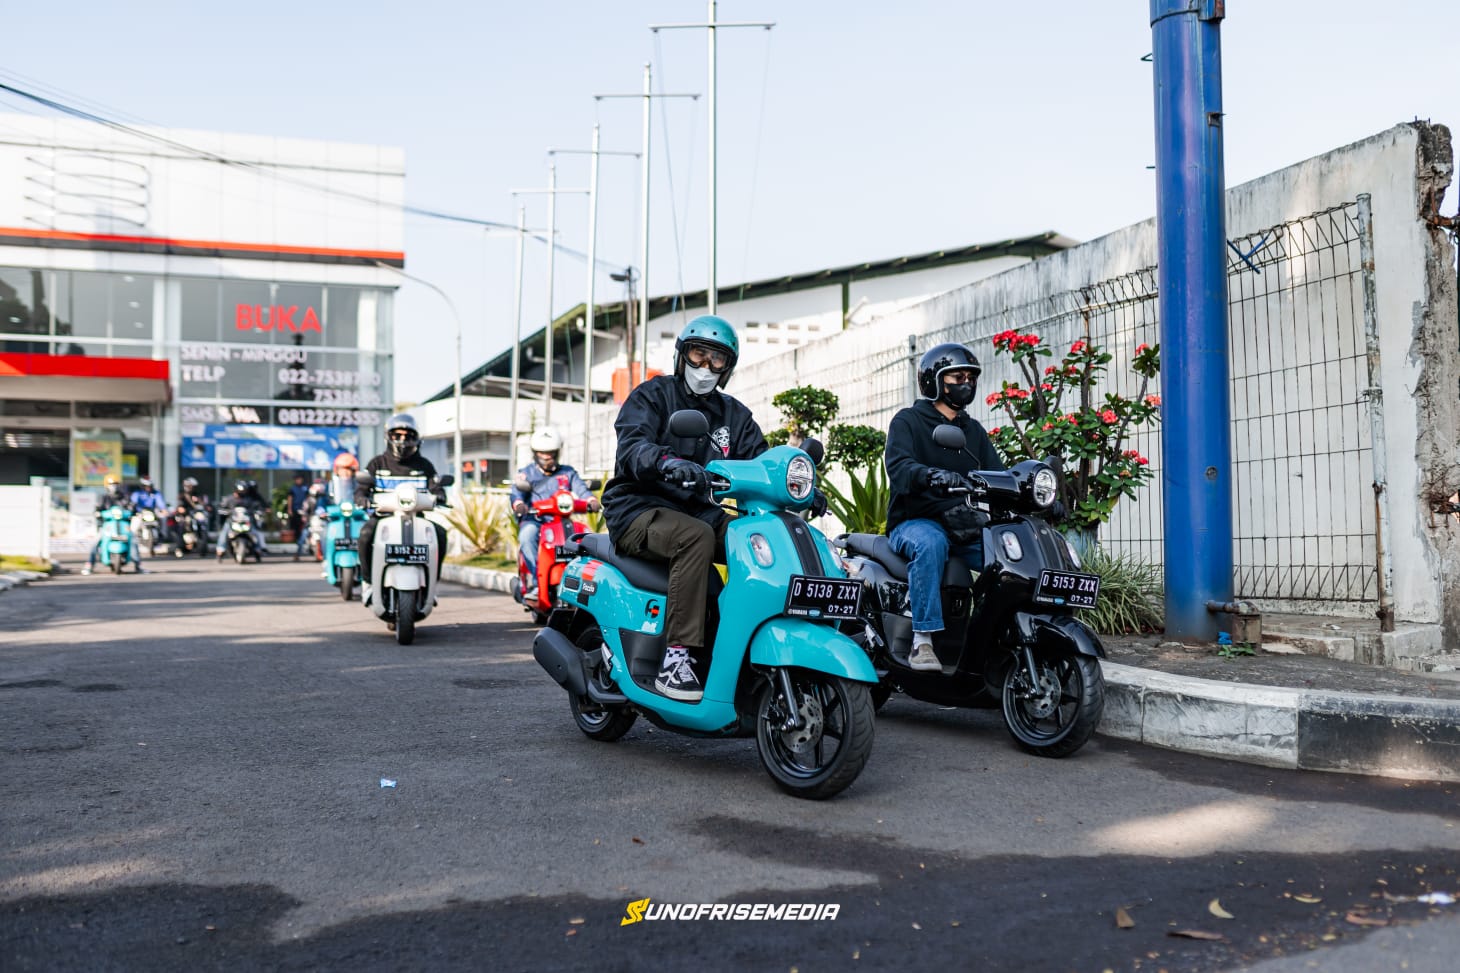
405	495
800	477
565	504
347	508
1045	487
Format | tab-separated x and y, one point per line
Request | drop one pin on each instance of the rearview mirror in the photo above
595	485
814	449
365	479
447	480
949	437
688	424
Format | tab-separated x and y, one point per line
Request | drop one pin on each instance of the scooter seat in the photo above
641	573
879	548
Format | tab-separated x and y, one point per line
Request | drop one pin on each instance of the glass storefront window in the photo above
199	312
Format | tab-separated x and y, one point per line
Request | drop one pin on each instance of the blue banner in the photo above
262	447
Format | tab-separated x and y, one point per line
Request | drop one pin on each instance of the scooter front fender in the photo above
345	559
796	642
404	577
1063	634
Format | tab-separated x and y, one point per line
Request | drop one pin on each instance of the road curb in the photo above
1352	733
478	577
13	579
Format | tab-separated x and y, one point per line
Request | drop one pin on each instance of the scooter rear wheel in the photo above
405	617
347	583
601	723
822	757
1058	715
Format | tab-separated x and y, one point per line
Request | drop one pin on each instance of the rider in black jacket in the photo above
919	473
649	516
402	457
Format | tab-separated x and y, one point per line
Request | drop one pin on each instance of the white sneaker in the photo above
86	570
923	657
366	590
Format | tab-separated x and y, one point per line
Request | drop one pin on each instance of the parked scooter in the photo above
194	526
403	561
779	668
341	545
116	537
1011	638
555	515
241	537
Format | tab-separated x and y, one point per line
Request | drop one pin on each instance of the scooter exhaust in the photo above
562	659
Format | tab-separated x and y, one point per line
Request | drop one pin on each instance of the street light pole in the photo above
456	386
712	290
516	338
648	97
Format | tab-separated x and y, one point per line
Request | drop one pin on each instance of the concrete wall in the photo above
25	514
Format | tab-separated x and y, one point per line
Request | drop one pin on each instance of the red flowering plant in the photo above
1054	413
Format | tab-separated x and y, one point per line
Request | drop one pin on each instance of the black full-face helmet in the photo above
947	357
402	437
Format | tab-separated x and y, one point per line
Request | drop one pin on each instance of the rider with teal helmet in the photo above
658	503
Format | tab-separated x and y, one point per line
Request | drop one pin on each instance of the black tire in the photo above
880	693
405	617
1057	717
116	564
240	551
835	710
347	583
602	723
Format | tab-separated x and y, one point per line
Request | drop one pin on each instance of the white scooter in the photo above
403	557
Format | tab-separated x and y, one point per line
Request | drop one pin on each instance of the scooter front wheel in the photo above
1056	712
602	723
822	756
405	617
347	583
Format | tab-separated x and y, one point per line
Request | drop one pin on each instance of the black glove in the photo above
1056	513
941	481
685	473
818	503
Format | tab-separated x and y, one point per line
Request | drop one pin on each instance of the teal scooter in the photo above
779	669
342	545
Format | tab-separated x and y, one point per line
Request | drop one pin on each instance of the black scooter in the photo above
1010	636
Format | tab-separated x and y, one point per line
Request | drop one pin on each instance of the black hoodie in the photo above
912	454
644	439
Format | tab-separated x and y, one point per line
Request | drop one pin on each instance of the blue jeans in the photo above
925	545
527	530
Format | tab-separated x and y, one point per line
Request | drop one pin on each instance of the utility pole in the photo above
595	152
1191	235
516	338
648	96
551	191
712	291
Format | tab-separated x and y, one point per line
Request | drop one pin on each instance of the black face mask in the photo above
958	396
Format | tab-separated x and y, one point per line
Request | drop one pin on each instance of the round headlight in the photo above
406	495
1045	487
565	503
800	477
346	507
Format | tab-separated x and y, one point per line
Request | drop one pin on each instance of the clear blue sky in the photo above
854	130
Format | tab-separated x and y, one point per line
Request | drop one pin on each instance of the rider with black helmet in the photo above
246	495
402	457
920	472
190	502
650	515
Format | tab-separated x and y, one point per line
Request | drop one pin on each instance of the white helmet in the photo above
546	440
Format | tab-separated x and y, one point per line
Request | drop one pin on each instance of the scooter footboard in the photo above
808	645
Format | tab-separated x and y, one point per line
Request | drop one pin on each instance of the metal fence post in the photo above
1375	395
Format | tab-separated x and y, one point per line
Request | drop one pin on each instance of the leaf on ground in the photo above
1215	908
1307	899
1359	919
637	841
1214	937
1123	920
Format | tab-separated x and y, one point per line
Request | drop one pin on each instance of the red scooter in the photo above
556	528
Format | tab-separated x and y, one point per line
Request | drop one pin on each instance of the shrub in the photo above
485	524
1131	594
858	448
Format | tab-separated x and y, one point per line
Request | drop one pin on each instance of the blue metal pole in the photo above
1192	240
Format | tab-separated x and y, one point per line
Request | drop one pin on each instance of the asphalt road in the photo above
190	779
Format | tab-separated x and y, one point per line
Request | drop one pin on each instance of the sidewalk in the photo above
1285	707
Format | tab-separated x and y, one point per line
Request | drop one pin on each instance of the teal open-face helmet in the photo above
713	334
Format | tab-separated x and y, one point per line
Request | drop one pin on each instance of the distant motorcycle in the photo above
240	536
146	526
555	515
341	546
116	537
403	561
193	526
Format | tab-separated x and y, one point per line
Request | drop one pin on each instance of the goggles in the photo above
707	356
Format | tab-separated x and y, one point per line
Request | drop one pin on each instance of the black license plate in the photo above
407	553
346	544
564	553
809	597
1067	588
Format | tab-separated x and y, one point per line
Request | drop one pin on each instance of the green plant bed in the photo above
492	562
1131	597
15	562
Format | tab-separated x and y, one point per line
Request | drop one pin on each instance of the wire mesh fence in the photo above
1302	458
